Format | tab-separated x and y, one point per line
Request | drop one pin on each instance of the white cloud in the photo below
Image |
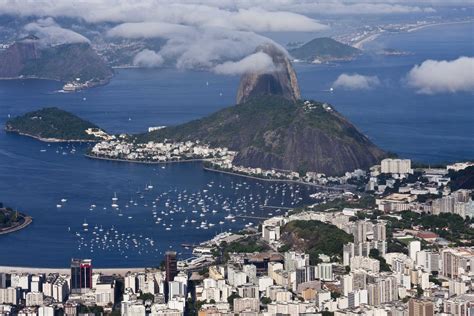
148	59
50	33
434	76
149	30
257	62
356	82
215	12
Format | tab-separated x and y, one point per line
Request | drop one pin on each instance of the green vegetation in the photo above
375	254
51	123
246	245
8	217
324	49
61	62
463	179
97	310
231	299
449	226
365	202
315	238
146	297
273	132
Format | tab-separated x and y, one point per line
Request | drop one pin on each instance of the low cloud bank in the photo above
258	62
443	76
148	58
356	82
50	33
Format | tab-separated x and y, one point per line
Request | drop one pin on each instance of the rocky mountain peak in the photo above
279	81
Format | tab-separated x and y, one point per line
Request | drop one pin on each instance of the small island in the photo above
55	125
11	220
322	50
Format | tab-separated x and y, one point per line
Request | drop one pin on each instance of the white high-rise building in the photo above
413	248
34	299
399	166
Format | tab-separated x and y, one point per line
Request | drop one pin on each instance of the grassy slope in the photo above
51	123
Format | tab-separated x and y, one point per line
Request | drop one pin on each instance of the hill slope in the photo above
27	58
52	124
273	132
324	49
315	238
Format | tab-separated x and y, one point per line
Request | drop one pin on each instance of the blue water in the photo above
431	129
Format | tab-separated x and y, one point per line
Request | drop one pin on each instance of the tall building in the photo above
400	166
420	308
380	231
171	266
171	270
81	275
413	248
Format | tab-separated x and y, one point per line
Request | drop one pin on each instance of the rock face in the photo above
281	82
273	132
28	59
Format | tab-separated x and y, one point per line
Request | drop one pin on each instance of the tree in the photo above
147	297
265	300
231	299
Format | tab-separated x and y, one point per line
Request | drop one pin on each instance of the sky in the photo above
222	35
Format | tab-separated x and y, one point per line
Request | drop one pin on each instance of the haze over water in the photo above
427	128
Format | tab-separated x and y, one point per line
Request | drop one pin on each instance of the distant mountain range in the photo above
324	49
28	58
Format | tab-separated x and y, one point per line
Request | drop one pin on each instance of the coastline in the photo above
37	270
49	140
360	44
144	162
27	221
273	180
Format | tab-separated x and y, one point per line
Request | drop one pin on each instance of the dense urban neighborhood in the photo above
401	245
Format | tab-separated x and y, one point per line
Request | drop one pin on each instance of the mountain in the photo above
281	81
53	124
28	58
274	132
324	49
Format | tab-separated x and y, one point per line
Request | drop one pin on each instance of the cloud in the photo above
356	82
273	13
443	76
149	30
148	59
257	62
50	33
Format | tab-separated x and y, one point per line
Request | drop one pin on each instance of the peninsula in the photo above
72	62
55	125
11	221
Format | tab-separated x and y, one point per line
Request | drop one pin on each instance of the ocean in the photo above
35	177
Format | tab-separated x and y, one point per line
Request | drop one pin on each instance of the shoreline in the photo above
360	44
49	140
27	221
144	162
65	270
273	180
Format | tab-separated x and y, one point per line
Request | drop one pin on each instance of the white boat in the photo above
59	205
115	197
63	200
